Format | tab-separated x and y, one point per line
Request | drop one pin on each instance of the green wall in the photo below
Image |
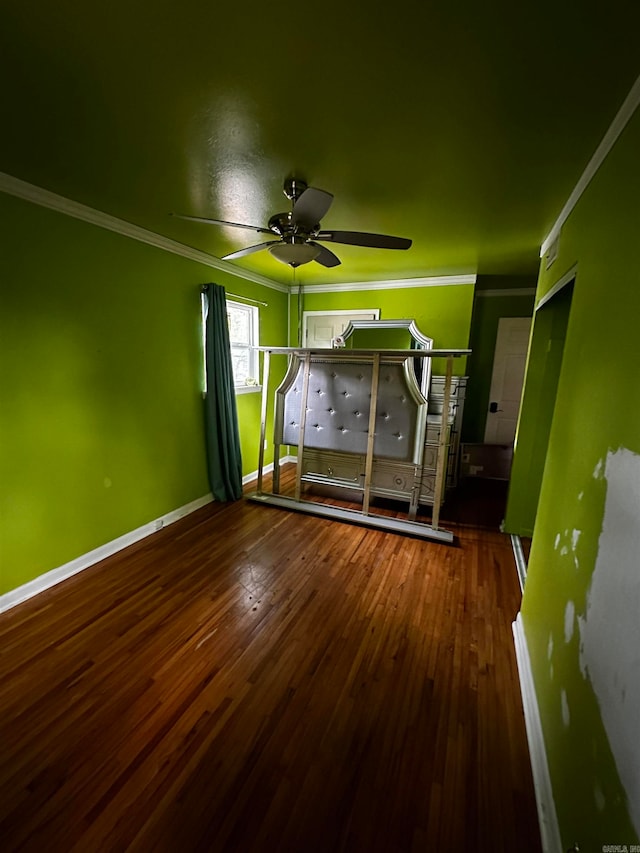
441	312
100	380
487	311
582	593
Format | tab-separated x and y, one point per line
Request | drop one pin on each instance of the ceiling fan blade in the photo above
361	238
249	250
223	222
311	207
326	257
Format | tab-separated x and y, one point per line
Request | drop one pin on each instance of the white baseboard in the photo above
547	818
40	584
519	557
55	576
267	469
48	579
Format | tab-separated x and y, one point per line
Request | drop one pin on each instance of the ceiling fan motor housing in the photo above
280	224
283	225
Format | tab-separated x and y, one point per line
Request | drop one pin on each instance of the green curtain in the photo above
221	416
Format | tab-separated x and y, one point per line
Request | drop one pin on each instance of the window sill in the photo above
248	389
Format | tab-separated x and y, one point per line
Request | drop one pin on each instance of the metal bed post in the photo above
441	466
263	418
372	433
303	422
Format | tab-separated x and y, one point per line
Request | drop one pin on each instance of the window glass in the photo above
244	339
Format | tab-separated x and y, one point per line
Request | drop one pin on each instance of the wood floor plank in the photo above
251	679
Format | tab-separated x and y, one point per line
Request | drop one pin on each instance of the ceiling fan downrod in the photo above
293	188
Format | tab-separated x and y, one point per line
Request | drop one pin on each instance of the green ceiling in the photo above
462	126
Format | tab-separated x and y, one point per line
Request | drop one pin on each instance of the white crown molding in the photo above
625	112
547	817
56	576
343	312
513	291
53	201
396	284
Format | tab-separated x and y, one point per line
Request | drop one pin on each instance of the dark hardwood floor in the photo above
250	679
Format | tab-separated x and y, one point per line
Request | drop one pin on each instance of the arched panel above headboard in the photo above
419	340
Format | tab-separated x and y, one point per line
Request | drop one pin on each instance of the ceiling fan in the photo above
299	230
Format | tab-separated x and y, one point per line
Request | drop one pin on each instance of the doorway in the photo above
320	328
538	406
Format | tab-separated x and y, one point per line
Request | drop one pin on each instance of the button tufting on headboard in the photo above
344	391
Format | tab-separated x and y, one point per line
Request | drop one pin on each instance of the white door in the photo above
320	328
509	363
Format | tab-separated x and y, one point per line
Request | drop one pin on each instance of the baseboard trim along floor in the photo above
55	576
549	830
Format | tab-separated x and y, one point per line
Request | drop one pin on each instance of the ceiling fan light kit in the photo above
298	230
295	254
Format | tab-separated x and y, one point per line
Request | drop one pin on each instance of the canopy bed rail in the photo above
359	421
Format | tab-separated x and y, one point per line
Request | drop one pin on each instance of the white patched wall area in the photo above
610	627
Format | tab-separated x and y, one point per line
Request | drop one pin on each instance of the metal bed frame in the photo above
300	361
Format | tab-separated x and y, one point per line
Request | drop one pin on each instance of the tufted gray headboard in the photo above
338	403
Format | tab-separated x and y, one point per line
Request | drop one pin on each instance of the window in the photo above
243	321
244	337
